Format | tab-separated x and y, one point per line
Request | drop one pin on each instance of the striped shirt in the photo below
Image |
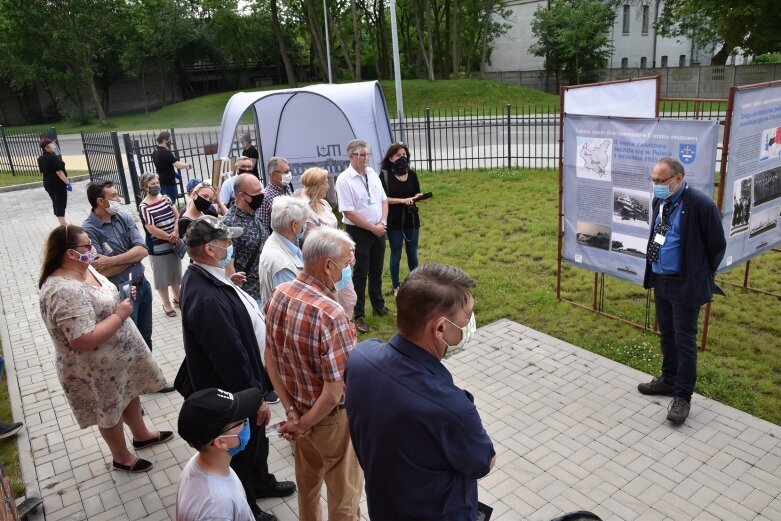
310	337
161	215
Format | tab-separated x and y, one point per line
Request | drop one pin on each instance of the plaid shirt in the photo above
310	337
272	192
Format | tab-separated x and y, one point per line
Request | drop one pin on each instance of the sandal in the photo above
171	313
140	465
162	437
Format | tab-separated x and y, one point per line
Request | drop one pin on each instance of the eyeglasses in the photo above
661	182
88	245
283	172
244	170
366	154
242	423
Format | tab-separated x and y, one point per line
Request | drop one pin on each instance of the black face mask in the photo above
202	204
257	201
401	166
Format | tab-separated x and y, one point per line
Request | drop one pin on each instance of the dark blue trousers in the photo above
678	331
142	311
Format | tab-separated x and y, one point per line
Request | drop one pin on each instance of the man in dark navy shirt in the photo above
418	437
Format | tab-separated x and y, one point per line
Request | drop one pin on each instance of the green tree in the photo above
749	25
573	36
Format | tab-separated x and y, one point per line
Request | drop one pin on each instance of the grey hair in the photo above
146	178
675	166
324	242
286	209
274	162
355	144
246	138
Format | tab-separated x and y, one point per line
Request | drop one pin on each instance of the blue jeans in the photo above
171	191
407	239
678	332
142	311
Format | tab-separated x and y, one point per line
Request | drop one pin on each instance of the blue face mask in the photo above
243	435
228	256
347	275
662	191
300	235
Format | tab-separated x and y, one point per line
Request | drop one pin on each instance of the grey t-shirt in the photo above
203	496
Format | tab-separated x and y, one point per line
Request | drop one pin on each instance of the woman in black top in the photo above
55	178
402	187
250	152
166	162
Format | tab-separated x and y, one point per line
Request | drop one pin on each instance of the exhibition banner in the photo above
607	191
752	191
636	98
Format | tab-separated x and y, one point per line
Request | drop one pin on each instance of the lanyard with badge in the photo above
365	177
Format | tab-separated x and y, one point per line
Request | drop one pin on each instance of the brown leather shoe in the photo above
382	312
361	325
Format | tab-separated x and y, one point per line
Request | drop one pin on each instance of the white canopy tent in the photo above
311	126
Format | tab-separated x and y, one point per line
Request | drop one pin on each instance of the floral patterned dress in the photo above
99	384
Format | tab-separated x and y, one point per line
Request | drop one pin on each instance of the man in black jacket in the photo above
222	326
685	247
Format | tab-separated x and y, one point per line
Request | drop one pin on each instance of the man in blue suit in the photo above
685	247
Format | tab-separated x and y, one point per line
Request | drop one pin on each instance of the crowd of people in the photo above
271	304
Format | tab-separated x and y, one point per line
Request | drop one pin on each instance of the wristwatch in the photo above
290	409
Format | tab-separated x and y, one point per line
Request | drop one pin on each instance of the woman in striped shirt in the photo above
160	218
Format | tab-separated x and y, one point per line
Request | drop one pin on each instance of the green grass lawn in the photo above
500	227
418	94
6	179
8	448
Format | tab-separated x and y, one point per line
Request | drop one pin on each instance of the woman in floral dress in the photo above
101	358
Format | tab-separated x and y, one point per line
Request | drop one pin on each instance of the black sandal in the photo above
162	437
140	465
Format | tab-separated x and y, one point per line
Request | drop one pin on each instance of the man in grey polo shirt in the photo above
121	249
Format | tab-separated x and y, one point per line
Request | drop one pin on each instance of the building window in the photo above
682	60
625	29
664	61
645	19
643	62
624	63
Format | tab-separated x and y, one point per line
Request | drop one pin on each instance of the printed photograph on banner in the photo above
628	245
594	235
770	146
767	186
595	158
741	206
764	221
631	207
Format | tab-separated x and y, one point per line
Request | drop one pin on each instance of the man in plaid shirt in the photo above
308	340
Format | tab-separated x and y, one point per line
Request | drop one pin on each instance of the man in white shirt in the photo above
364	208
216	424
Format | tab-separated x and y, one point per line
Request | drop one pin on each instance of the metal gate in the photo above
19	149
104	160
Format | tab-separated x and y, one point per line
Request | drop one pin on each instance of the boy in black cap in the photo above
216	423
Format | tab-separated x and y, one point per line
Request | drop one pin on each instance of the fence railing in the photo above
19	149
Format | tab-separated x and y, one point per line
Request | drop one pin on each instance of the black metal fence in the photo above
104	160
19	149
196	146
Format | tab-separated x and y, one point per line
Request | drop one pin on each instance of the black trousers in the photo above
369	262
251	465
59	195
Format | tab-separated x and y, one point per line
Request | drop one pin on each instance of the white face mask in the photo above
466	335
286	178
114	207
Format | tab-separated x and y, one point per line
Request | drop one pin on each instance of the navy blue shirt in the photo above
114	238
418	437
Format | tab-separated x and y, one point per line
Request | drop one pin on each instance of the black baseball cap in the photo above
206	228
205	413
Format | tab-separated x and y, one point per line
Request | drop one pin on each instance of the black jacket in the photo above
702	244
220	345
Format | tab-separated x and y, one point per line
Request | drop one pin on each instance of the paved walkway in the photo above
570	430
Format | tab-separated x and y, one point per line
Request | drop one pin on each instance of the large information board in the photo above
752	191
607	192
635	98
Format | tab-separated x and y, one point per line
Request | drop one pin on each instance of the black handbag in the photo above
182	382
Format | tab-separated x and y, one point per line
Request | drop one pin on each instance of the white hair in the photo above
285	209
325	242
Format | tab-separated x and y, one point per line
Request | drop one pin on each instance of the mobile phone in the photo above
125	289
423	197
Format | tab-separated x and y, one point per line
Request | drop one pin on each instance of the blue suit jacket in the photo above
702	244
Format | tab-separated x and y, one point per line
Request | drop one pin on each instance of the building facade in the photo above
635	42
